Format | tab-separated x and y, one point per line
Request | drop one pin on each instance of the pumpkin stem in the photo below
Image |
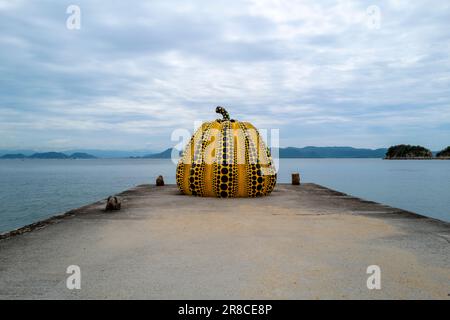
223	112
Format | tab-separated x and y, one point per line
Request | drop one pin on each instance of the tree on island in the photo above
444	153
407	151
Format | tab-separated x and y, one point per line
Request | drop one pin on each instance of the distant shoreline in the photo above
288	152
418	158
309	152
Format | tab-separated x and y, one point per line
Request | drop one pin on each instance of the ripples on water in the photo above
33	190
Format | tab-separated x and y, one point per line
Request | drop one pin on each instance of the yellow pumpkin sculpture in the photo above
226	158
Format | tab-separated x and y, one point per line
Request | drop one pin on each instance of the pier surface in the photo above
301	242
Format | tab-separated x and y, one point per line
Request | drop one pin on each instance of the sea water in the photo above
32	190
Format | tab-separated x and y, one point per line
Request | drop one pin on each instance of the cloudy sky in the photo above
324	72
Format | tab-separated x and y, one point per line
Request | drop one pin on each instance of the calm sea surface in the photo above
33	190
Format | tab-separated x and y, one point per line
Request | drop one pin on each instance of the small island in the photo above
49	155
82	155
409	152
444	154
13	156
406	151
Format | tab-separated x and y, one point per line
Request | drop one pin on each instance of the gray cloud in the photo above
138	70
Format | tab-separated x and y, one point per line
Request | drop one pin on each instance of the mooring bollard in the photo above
113	203
296	179
160	181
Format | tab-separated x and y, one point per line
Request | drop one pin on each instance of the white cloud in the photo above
10	4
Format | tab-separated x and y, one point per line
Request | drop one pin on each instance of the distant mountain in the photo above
13	156
25	152
331	152
111	153
81	155
306	152
166	154
49	155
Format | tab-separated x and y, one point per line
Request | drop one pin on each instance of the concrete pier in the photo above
301	242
